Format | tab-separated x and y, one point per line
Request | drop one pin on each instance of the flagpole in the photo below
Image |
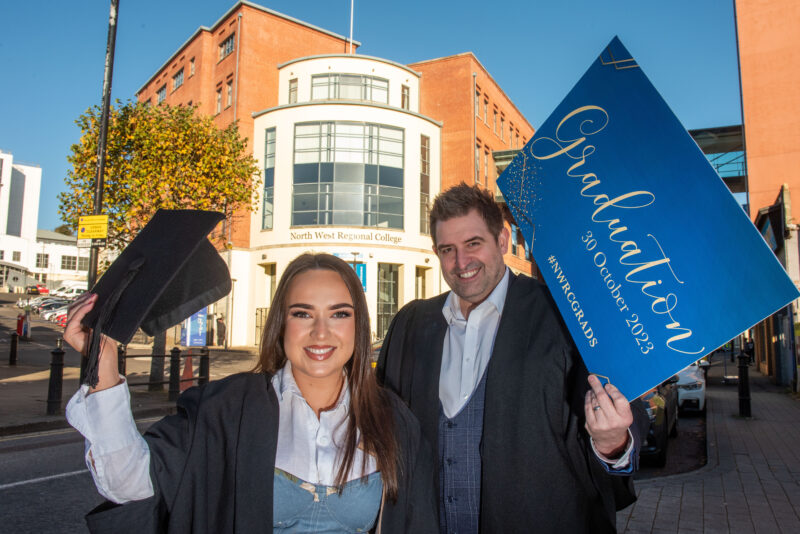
351	27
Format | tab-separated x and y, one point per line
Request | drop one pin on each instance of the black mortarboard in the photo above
167	273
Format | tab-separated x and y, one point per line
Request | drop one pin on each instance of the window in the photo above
477	103
191	67
514	242
388	277
502	126
293	91
226	47
348	173
2	254
419	283
510	135
350	87
269	180
42	261
485	111
161	94
524	142
494	123
219	99
424	183
177	80
69	263
478	164
229	94
486	166
405	97
16	256
83	264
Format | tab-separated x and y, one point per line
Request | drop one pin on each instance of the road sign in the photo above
93	226
96	242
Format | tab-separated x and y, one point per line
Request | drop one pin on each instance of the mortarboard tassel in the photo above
103	318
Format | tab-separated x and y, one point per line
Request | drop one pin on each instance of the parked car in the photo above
73	292
48	304
692	389
71	288
52	313
661	404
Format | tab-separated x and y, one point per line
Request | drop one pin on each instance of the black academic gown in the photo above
212	467
539	473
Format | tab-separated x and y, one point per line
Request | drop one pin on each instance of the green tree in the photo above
157	157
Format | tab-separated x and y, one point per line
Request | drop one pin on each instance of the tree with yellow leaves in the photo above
157	157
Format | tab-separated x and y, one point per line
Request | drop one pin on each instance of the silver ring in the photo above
596	408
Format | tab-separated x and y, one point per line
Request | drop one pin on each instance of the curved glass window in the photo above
347	174
338	86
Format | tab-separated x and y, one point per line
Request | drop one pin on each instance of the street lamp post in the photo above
108	72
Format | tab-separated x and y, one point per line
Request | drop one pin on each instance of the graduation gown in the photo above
212	467
539	472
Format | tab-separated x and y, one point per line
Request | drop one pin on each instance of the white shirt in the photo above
468	346
308	447
119	459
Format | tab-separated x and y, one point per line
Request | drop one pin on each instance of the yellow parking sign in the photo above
92	226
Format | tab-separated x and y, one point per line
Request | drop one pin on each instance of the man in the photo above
220	331
525	441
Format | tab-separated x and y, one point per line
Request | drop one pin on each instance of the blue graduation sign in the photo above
650	259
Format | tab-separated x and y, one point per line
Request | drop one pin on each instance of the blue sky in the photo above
53	52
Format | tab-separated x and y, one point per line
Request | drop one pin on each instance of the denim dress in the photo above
300	506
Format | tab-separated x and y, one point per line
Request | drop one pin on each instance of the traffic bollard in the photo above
744	385
174	373
12	353
56	380
204	367
121	365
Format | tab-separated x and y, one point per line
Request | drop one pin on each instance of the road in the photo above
44	485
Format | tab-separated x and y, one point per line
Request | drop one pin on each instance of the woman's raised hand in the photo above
77	336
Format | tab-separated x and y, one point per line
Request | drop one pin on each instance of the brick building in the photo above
229	70
769	57
482	129
352	149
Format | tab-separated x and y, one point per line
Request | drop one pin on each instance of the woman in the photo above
308	442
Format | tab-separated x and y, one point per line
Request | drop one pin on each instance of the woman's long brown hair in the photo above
370	413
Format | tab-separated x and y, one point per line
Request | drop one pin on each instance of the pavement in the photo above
24	386
751	481
750	484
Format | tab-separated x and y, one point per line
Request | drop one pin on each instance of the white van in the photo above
68	287
72	292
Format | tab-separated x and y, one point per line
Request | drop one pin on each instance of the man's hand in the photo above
608	416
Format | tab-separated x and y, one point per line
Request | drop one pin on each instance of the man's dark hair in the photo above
459	200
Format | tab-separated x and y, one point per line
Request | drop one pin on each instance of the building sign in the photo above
193	333
634	231
347	236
